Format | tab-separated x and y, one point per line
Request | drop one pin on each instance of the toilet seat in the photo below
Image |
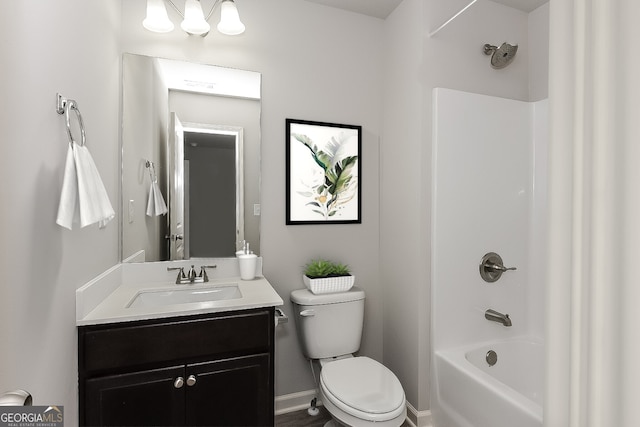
363	388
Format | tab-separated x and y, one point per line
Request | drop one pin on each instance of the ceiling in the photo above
524	5
376	8
383	8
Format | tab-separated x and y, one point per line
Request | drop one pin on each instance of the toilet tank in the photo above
328	325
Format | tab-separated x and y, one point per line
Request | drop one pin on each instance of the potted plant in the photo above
322	276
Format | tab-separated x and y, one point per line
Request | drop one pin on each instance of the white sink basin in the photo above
185	295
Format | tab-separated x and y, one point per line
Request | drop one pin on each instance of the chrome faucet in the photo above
494	316
192	276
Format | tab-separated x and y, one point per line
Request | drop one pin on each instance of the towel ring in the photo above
64	106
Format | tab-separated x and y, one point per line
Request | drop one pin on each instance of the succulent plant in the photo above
341	270
324	268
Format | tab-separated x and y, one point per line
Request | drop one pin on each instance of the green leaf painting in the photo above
325	184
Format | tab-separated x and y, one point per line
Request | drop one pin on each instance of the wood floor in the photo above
303	419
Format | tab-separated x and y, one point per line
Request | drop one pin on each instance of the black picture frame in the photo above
323	173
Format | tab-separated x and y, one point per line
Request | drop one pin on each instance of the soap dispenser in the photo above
247	262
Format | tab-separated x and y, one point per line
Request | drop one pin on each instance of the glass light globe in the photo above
194	22
230	19
157	19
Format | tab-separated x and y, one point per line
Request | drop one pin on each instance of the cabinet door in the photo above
146	398
231	392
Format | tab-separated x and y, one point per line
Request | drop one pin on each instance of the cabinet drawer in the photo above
120	347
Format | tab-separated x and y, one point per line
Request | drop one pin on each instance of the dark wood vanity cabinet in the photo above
207	370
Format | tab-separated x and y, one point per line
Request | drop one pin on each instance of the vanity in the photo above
155	353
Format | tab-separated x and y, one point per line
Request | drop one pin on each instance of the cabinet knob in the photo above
191	380
179	382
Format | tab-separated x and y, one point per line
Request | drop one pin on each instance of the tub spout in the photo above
494	316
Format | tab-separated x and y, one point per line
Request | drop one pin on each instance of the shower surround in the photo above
489	195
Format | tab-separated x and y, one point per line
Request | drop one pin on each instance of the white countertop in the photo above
105	299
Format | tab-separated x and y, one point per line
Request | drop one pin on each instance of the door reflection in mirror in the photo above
202	96
214	200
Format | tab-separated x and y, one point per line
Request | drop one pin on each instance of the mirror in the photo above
194	130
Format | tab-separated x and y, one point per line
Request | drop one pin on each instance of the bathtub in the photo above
471	393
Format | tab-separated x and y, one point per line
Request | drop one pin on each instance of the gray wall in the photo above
71	47
145	107
404	219
539	53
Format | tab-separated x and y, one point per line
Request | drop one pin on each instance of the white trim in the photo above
136	257
301	400
417	418
295	401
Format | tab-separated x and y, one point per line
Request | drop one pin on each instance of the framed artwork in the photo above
323	173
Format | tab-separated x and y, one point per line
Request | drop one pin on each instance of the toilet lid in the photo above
363	388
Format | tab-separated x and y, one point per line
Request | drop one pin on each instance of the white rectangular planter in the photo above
328	285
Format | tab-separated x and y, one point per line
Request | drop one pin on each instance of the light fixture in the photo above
157	19
194	21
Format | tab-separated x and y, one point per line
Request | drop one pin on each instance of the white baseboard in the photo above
295	401
302	400
418	418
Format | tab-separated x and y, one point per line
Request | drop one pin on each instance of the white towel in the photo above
156	205
84	199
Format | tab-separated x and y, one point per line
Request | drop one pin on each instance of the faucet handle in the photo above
181	275
497	267
203	272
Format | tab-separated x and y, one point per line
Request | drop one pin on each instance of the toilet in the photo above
356	390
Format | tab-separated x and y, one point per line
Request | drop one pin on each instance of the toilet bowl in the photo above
359	391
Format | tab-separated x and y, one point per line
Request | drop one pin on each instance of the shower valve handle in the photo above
492	267
497	267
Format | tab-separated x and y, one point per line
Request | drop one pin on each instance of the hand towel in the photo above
156	205
84	199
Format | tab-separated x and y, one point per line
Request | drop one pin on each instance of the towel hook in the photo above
63	106
152	170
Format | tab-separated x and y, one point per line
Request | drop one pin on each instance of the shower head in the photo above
501	56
